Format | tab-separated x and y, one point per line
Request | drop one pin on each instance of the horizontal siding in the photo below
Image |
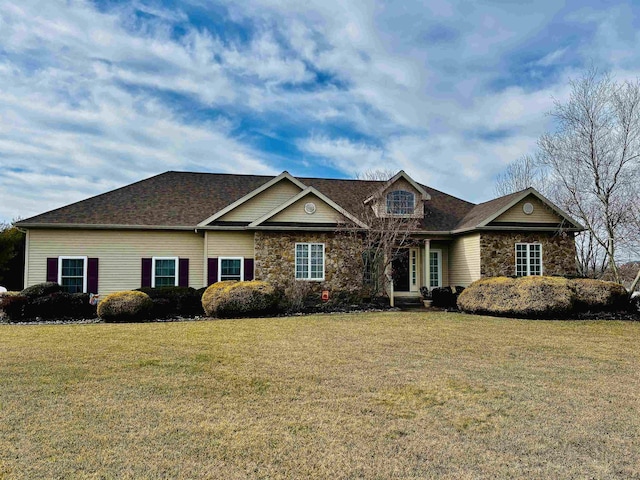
119	253
541	213
233	244
263	203
295	212
464	260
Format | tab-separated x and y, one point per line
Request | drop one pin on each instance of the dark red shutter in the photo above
52	270
212	270
183	272
92	275
147	265
248	269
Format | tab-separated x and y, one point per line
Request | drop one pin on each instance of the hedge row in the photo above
46	301
541	297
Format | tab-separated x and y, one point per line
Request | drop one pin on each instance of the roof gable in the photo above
257	204
504	210
397	178
293	211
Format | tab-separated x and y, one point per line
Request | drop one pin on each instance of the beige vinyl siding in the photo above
295	212
464	260
232	244
541	213
119	253
263	203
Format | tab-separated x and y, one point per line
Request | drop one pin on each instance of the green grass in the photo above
385	395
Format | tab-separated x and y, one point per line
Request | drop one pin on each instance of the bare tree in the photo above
520	174
386	236
593	158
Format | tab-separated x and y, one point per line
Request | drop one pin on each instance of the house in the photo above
194	229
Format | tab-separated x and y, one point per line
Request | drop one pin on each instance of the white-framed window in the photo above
435	268
72	274
528	259
309	261
164	272
400	202
230	268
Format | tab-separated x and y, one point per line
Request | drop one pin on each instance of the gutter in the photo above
91	226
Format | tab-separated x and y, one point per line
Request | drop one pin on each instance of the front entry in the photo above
400	268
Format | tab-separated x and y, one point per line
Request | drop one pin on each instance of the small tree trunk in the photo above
612	261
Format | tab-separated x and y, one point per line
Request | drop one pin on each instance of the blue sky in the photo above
98	94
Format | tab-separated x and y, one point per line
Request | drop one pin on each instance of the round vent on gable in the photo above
527	208
310	208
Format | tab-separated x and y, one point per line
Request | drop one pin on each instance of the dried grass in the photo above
387	395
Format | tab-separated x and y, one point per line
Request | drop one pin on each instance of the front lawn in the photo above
384	395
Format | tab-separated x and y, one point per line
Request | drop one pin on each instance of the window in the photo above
230	268
435	270
309	261
72	274
528	259
165	272
400	202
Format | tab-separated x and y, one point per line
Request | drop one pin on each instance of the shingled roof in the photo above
181	200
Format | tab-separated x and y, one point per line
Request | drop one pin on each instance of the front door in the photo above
400	268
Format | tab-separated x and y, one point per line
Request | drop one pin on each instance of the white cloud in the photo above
92	99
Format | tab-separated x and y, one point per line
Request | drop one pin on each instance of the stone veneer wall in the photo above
275	260
498	256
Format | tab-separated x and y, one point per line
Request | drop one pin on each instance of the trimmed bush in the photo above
174	301
41	289
127	306
540	297
239	299
59	305
445	297
598	295
12	306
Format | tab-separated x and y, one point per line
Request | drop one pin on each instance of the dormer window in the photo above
400	202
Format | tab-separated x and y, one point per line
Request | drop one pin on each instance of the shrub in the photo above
237	299
41	289
634	302
520	297
298	296
12	306
127	306
598	295
445	297
174	301
60	305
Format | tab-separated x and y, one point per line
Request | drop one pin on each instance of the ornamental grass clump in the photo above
127	306
230	299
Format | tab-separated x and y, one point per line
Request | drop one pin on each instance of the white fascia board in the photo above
250	195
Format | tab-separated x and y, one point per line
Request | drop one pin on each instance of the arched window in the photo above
400	202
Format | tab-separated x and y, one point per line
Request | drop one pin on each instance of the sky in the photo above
95	95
